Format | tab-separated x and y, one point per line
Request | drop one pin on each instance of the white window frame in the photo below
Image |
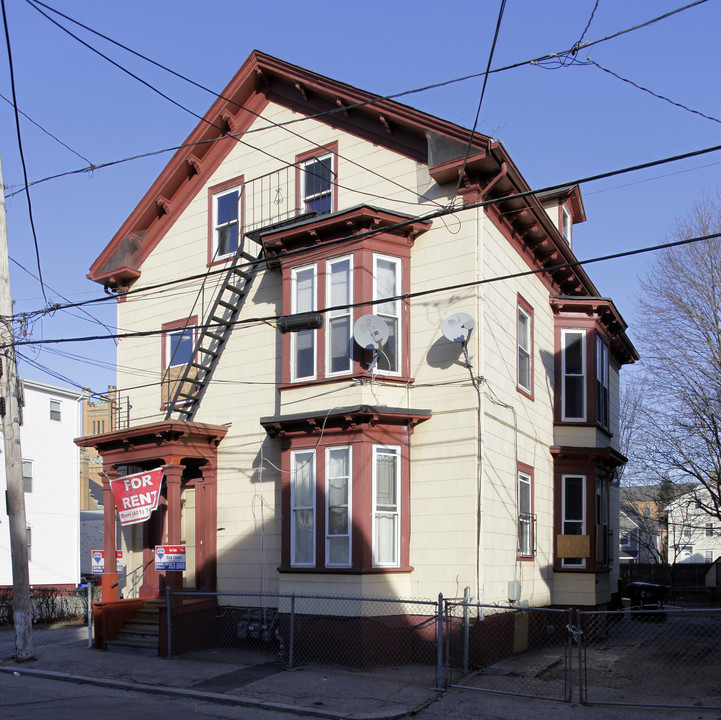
390	309
294	337
305	198
349	506
566	223
310	457
602	391
565	562
218	227
565	332
393	451
525	348
56	410
525	484
170	359
340	314
708	555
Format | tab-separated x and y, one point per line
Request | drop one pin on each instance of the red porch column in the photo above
109	578
173	479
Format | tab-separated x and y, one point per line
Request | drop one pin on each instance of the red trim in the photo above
238	182
332	149
523	304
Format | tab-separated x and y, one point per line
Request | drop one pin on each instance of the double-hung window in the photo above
178	343
339	322
386	506
56	410
602	400
525	349
317	179
574	512
338	494
573	372
525	515
226	222
302	539
387	284
178	347
303	343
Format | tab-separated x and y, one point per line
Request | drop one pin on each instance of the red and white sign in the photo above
136	496
98	561
170	557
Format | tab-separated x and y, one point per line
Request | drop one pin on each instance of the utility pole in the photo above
22	608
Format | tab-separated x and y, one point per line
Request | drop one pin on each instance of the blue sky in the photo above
559	123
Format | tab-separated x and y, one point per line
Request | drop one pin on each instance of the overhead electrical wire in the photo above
20	147
651	92
480	101
375	100
404	296
420	218
236	137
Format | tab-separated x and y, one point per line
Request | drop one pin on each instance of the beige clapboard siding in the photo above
444	449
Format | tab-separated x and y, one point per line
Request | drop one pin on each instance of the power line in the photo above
237	137
651	92
20	147
404	296
420	218
375	100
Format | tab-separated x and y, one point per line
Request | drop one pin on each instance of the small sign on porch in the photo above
136	496
170	557
98	561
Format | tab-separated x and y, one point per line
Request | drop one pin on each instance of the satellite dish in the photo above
370	332
458	327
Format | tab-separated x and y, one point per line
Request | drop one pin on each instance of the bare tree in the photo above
680	435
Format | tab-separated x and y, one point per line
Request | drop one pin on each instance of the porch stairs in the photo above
141	633
190	386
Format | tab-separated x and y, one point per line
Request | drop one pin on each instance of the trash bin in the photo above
647	596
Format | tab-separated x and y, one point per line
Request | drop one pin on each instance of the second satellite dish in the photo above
370	332
458	327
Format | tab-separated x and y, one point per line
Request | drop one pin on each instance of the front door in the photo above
187	534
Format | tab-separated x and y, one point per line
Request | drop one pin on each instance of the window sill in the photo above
344	571
360	378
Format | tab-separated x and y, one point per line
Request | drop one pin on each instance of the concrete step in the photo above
141	626
135	647
126	635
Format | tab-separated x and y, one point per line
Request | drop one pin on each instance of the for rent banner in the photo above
136	496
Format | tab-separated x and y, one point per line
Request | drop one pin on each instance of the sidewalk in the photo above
63	654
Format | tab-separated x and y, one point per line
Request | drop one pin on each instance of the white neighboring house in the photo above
694	536
51	474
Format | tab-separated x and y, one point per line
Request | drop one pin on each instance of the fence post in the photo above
579	640
169	621
440	680
292	631
466	627
90	614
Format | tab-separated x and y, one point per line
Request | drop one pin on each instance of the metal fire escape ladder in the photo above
190	386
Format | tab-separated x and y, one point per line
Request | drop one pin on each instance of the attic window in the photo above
317	184
566	223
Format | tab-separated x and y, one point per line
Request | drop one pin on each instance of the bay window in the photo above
386	506
338	464
602	398
387	284
339	294
303	343
573	374
574	512
303	508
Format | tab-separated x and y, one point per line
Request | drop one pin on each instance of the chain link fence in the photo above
666	658
292	630
509	650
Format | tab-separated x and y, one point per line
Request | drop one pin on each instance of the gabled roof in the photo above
486	171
